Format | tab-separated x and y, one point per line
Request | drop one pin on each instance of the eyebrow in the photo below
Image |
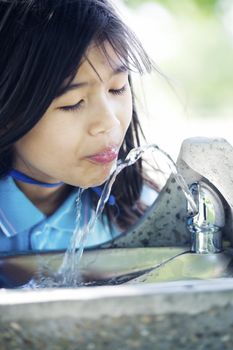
74	86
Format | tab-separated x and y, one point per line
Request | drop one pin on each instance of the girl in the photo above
66	115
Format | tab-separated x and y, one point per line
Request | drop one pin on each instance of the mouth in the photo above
106	156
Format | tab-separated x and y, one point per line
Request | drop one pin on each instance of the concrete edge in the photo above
183	297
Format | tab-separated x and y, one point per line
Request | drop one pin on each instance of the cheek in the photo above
126	111
40	145
27	145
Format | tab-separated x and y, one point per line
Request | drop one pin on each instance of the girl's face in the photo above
78	138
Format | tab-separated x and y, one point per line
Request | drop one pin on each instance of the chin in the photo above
97	182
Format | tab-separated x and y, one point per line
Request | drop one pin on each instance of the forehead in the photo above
100	60
99	64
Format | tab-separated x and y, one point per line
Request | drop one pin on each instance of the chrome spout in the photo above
205	226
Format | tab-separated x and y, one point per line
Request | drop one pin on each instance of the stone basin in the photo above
121	265
169	299
190	266
184	315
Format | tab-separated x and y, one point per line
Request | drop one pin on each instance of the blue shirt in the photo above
23	227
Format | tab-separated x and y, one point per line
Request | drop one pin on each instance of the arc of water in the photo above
72	259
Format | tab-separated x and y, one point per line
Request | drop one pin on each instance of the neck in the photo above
47	200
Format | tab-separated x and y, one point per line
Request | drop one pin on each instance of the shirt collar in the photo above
18	213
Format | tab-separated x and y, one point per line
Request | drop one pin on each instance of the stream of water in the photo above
69	269
68	274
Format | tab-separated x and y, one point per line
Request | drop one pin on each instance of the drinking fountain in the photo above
210	160
169	233
166	262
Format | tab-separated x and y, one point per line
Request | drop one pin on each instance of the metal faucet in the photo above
205	225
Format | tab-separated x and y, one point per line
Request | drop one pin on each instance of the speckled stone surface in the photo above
212	330
164	225
189	315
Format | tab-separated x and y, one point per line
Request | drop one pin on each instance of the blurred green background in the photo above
204	5
191	42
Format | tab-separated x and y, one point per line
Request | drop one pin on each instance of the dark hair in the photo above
42	43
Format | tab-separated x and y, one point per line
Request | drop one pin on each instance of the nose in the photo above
104	118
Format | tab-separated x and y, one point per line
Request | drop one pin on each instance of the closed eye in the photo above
118	91
73	107
80	103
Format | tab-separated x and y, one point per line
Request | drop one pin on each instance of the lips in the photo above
106	156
